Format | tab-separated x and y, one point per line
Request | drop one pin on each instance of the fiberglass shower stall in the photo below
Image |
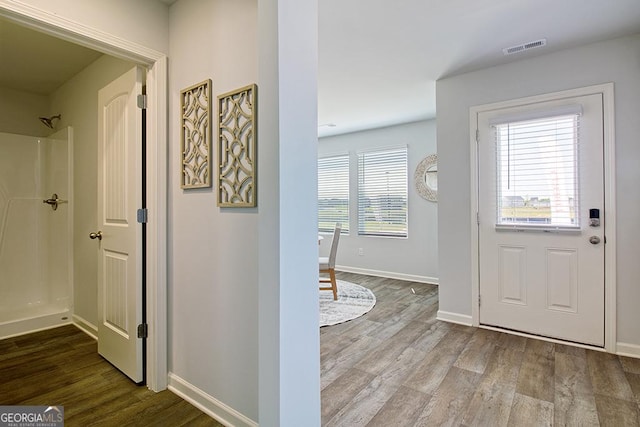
36	271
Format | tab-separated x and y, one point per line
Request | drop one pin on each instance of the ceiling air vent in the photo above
525	46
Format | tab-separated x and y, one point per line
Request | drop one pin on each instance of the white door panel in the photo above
119	197
540	278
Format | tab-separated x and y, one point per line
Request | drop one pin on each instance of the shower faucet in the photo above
54	201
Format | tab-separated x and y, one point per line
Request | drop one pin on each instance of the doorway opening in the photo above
156	171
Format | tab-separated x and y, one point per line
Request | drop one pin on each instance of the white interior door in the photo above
119	197
541	257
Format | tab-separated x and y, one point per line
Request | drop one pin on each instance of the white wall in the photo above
19	112
413	258
615	61
77	102
141	21
289	379
213	252
23	256
58	226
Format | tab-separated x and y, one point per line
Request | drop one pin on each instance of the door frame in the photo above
156	156
607	91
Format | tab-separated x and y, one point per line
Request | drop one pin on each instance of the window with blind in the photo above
537	173
333	193
382	193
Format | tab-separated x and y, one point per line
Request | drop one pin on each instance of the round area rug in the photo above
353	301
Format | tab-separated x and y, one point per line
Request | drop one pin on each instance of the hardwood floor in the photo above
399	366
62	367
395	366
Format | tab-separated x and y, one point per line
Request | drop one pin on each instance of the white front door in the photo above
541	247
119	197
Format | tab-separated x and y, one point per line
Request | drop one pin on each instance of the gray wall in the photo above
213	271
19	111
242	326
615	61
414	257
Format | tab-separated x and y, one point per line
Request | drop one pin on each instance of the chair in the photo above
328	264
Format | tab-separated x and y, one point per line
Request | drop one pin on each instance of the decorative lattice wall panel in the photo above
237	160
195	102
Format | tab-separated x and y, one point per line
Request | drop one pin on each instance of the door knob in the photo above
97	235
594	240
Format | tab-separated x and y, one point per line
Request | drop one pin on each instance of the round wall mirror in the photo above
426	178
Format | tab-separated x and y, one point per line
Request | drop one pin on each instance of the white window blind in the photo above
537	173
382	192
333	193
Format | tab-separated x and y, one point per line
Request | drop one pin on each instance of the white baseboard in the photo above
460	319
388	274
85	326
629	350
208	404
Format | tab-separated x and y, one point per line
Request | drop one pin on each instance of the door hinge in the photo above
477	136
478	218
143	330
142	215
479	300
142	102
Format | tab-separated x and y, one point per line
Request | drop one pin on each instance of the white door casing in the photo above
120	249
548	283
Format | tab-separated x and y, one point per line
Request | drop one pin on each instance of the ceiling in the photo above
378	59
37	63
